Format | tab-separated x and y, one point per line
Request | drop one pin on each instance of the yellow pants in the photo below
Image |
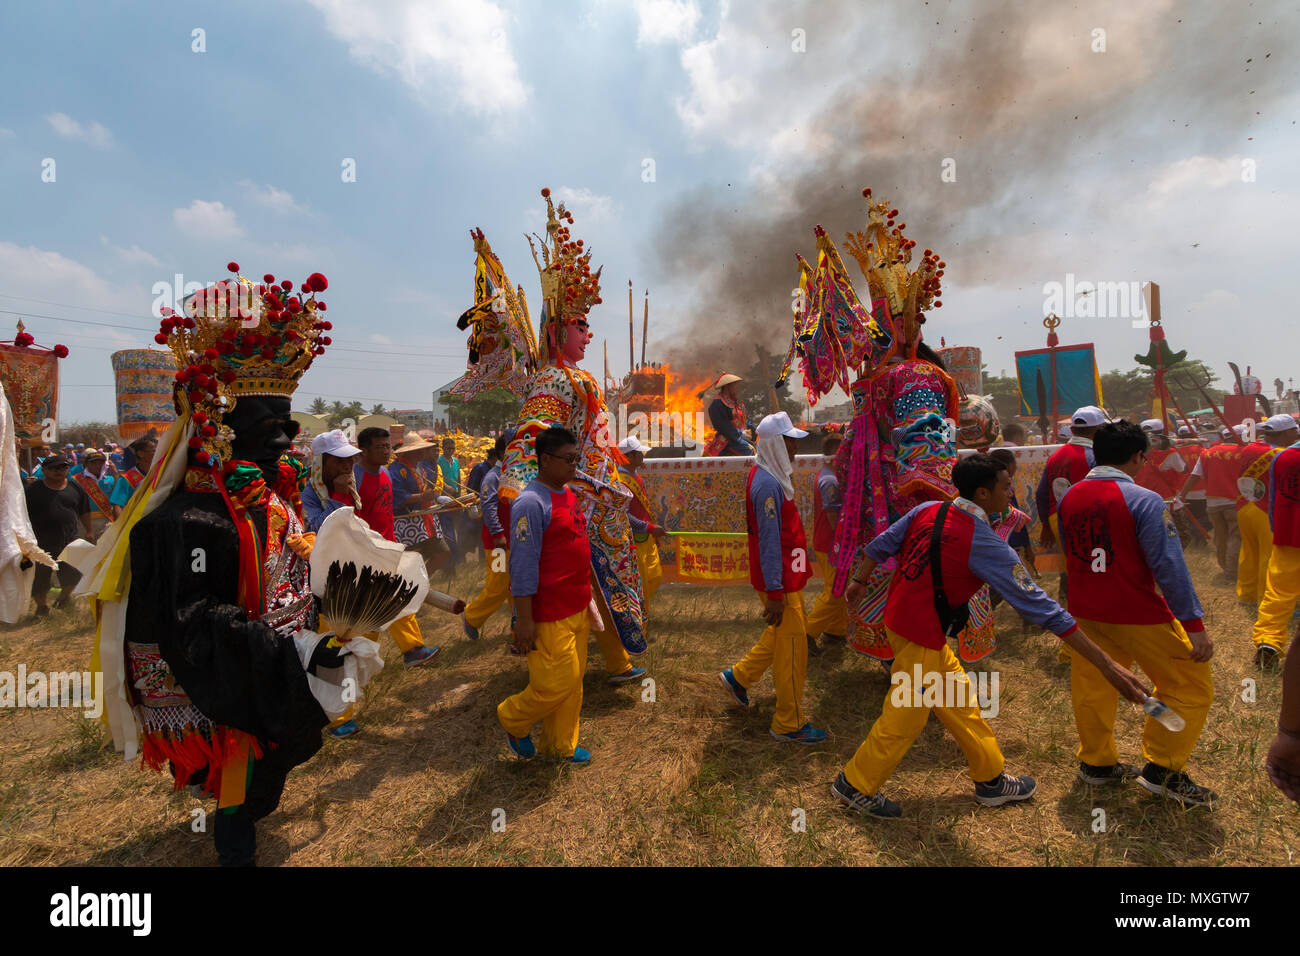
554	692
406	635
1273	625
829	614
1163	652
901	722
783	648
496	591
652	574
1252	559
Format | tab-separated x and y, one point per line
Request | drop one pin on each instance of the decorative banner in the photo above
706	497
144	379
713	558
1074	370
963	364
31	380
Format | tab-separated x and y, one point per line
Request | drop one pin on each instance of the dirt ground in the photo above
682	779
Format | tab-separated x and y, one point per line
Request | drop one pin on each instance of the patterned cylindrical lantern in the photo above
963	363
144	380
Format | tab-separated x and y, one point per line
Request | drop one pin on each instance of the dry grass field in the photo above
681	781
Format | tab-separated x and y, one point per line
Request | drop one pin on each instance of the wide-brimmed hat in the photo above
726	378
415	444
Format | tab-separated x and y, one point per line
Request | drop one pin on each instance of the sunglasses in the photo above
567	459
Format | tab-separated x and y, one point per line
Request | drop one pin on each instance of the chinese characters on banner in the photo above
712	557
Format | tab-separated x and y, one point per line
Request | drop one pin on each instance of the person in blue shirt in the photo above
449	468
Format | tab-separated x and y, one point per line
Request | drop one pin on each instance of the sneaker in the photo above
632	673
1004	789
345	729
807	734
521	747
1266	658
470	630
879	806
1176	786
813	649
581	757
1102	776
419	655
732	686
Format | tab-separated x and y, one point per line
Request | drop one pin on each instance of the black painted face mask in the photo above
263	431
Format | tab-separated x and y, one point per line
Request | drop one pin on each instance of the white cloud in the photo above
134	255
434	46
279	200
1196	173
378	339
5	133
210	220
666	21
589	207
68	128
44	274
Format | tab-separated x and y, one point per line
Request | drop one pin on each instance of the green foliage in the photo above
338	412
492	410
319	406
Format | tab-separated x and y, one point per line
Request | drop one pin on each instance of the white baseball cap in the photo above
1089	416
1239	429
1278	423
779	424
1185	431
1153	425
630	444
334	443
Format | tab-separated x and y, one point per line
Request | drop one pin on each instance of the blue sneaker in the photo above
470	630
632	673
419	655
1004	788
521	747
581	757
807	734
732	687
345	729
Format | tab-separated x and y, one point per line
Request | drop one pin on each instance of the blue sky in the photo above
173	161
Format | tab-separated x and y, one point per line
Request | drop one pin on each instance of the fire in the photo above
682	395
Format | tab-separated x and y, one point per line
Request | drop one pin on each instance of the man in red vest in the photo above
946	552
1068	464
1120	543
1218	468
1283	585
778	570
1275	433
550	564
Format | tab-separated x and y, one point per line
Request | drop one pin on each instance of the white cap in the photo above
1089	416
1185	431
334	443
1153	425
779	424
1239	429
630	444
1278	423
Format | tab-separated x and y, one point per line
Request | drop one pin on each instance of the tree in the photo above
339	413
756	389
378	409
318	406
492	410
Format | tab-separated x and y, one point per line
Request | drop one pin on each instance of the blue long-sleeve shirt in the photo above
490	501
720	418
768	521
315	511
406	487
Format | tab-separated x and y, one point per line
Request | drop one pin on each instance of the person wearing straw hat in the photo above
778	570
645	533
412	492
1120	543
728	417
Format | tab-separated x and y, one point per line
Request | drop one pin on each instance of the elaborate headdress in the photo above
237	339
569	287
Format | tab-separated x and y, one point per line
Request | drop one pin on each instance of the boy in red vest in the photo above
1120	543
1283	585
1256	460
829	614
1218	468
969	555
550	567
778	570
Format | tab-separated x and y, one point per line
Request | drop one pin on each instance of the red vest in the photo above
794	546
1286	498
564	571
503	512
1220	468
1165	483
1069	462
376	493
1095	516
1249	456
823	530
909	609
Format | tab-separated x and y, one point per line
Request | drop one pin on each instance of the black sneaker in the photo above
879	806
1266	658
1102	776
1004	789
1176	786
813	649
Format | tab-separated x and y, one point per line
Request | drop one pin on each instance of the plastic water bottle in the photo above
1162	712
